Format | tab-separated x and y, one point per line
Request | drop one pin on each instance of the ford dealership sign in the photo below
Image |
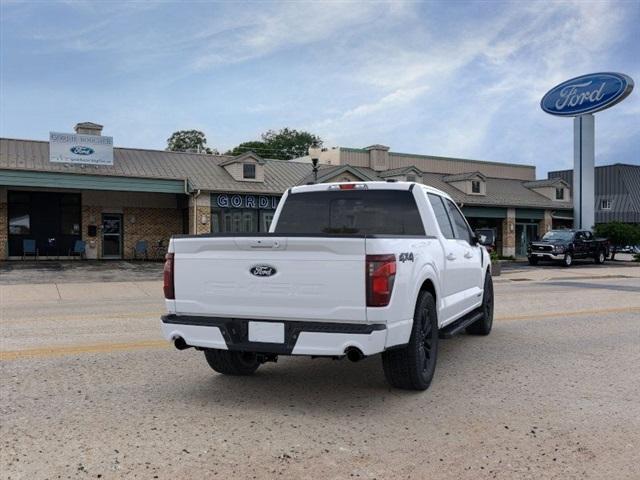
587	94
80	149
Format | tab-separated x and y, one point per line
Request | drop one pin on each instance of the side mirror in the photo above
482	239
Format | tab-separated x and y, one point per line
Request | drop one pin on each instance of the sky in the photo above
450	78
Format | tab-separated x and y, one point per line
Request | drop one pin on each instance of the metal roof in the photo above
463	176
201	170
206	172
499	191
619	184
399	171
547	182
329	171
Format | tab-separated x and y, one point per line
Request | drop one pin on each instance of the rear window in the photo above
351	212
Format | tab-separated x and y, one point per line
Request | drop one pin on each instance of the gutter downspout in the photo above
195	196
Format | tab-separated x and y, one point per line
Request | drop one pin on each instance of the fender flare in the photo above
428	272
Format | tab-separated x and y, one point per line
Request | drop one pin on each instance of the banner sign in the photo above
80	149
238	200
587	94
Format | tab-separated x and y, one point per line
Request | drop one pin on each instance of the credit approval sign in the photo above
80	149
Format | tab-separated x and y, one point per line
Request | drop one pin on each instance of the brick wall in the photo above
150	224
91	215
545	224
509	233
202	213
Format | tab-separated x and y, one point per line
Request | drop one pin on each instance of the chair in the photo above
29	248
142	249
160	249
79	248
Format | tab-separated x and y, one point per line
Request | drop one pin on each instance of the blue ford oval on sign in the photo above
80	150
587	94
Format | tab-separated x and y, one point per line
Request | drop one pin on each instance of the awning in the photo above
30	178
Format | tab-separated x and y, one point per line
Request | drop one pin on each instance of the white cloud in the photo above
484	81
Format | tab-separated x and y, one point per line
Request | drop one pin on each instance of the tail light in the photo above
381	273
169	291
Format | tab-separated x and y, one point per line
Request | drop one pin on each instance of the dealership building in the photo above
617	192
112	199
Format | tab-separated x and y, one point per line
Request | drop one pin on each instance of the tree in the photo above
289	144
188	141
619	234
257	147
284	144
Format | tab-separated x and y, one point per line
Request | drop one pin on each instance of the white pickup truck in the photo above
347	269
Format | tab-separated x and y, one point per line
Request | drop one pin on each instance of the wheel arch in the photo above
428	284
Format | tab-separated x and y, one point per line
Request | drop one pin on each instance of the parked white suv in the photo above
347	269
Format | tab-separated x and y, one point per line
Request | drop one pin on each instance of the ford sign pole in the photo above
580	97
583	171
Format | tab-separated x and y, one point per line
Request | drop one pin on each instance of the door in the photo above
582	245
525	233
460	281
468	260
266	217
112	235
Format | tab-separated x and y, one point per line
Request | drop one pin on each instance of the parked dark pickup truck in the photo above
566	245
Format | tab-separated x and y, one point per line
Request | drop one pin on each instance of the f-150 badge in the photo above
263	270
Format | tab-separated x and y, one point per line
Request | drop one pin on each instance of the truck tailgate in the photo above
292	278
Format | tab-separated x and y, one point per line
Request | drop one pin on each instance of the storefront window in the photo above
238	213
237	220
52	219
19	220
19	217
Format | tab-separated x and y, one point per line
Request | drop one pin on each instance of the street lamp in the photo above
314	153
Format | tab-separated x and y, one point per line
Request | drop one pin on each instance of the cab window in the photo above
461	229
442	217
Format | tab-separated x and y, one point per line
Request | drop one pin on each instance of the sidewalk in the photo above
78	271
29	294
521	271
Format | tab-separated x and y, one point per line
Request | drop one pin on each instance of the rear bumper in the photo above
300	338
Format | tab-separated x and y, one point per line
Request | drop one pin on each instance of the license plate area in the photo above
266	332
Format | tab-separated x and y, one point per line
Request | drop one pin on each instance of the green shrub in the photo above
619	234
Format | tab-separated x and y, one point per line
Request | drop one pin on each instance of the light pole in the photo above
314	153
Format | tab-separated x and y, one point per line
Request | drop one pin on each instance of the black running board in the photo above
460	324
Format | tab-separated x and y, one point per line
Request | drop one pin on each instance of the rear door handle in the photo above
451	256
468	254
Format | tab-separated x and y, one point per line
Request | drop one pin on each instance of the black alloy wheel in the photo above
412	367
483	325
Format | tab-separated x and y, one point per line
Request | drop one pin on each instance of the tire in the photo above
600	257
568	260
533	261
483	325
412	367
232	363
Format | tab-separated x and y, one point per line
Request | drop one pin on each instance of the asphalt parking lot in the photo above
90	390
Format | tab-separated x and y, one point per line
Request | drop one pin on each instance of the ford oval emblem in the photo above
263	271
79	150
587	94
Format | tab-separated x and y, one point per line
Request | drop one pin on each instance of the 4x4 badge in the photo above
406	257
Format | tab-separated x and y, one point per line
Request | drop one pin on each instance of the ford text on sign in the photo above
587	94
85	149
